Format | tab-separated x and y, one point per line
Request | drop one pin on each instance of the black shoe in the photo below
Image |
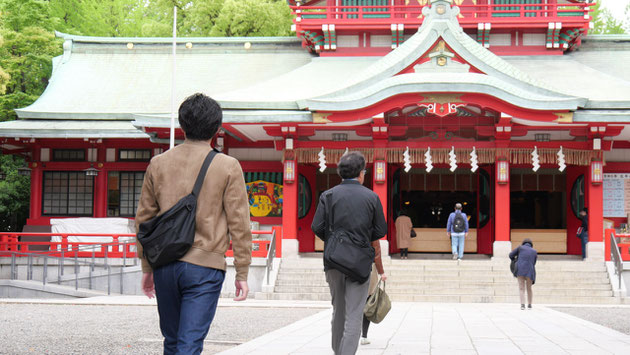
529	306
522	307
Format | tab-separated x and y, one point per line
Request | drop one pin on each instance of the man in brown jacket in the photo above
188	290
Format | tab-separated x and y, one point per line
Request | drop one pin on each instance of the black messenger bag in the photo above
169	236
345	253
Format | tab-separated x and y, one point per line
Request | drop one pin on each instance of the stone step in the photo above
455	298
558	265
490	291
451	269
451	281
464	272
562	279
504	270
605	285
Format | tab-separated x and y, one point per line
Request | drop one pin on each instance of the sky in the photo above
615	6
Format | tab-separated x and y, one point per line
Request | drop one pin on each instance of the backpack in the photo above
459	223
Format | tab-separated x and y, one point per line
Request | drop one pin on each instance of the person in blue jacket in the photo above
525	270
457	230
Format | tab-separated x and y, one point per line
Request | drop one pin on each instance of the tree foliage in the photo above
14	195
244	18
28	46
605	23
154	18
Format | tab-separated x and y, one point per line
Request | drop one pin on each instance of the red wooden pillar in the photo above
100	186
380	183
290	208
35	209
100	194
379	186
502	245
502	202
595	204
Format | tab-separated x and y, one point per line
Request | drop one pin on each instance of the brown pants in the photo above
524	282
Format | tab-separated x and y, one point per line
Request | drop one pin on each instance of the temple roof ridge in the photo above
441	23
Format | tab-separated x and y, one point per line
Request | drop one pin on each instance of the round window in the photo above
577	195
304	197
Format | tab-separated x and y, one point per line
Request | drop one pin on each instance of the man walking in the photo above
457	230
358	211
187	290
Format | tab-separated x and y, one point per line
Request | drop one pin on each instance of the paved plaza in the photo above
129	325
441	328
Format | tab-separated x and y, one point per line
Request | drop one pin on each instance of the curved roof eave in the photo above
169	40
451	83
230	117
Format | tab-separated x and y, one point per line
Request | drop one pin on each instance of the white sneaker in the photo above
454	256
364	341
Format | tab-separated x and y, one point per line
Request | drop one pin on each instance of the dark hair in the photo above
350	165
585	210
528	241
200	117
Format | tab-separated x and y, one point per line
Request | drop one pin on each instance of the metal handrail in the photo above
271	254
61	263
616	257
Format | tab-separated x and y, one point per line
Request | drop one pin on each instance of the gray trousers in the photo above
348	301
523	284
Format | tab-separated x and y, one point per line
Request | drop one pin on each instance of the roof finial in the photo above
441	9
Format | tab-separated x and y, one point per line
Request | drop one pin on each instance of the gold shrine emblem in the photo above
442	105
564	117
321	117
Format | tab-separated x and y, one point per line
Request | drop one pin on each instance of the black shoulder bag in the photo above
342	252
169	236
513	268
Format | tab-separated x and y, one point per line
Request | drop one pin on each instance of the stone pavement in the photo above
441	328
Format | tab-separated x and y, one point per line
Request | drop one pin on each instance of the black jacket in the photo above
584	223
355	208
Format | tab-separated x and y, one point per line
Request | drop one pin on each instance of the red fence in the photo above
116	246
624	244
469	14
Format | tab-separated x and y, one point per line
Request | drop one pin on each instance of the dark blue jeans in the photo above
584	238
187	298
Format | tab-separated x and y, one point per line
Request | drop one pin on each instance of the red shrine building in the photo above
506	106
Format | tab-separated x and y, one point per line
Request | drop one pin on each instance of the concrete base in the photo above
501	250
595	251
619	288
290	248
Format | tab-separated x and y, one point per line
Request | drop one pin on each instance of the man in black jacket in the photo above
583	230
359	212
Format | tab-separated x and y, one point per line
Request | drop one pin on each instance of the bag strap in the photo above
379	283
329	215
202	173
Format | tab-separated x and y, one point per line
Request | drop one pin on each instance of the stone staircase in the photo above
478	281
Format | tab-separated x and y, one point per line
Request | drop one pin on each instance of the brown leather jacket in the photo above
222	206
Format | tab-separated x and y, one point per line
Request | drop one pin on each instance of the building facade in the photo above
504	106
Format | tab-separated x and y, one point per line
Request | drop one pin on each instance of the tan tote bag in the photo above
378	305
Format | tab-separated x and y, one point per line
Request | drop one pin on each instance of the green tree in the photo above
28	46
154	18
14	195
26	54
105	18
245	18
605	23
